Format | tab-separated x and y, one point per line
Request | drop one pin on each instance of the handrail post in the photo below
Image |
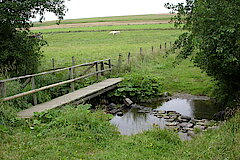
96	64
109	64
2	89
102	68
34	87
72	70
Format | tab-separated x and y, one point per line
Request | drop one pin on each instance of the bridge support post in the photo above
96	64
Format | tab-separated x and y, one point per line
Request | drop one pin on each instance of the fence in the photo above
99	70
166	46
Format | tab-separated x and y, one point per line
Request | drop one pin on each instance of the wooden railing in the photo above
31	78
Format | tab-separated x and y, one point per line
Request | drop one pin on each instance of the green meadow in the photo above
110	19
75	132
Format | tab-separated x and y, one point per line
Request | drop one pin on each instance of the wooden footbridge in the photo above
77	96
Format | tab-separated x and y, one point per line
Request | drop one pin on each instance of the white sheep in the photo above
114	32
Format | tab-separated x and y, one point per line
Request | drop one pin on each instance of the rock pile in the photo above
184	124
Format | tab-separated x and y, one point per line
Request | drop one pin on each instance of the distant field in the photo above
110	19
91	46
108	28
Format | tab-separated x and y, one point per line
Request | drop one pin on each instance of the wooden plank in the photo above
70	97
51	86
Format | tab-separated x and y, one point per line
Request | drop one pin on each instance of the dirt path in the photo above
94	24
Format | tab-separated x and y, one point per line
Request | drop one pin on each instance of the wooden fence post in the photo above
96	64
160	46
165	45
73	63
141	51
152	49
53	64
2	89
34	87
129	56
109	64
72	71
102	68
120	60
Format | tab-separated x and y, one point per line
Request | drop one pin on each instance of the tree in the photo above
19	51
212	41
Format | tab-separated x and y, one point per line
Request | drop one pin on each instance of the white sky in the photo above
103	8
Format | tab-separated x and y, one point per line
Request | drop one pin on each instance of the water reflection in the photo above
199	109
133	122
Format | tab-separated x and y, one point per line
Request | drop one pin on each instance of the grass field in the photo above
110	19
109	28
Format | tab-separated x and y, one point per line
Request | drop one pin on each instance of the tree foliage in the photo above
212	41
19	51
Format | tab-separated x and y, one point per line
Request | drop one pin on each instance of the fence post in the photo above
109	64
96	64
165	45
53	63
141	51
102	68
129	56
119	60
160	46
2	89
72	71
73	63
34	87
152	49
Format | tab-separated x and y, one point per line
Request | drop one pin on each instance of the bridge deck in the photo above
100	87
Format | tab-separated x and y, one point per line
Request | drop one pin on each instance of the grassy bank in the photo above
76	133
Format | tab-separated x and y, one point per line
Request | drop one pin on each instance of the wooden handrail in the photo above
57	70
71	80
52	85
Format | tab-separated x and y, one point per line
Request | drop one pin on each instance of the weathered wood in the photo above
96	64
26	83
110	65
34	87
72	71
129	56
81	101
53	64
71	76
51	86
2	89
119	60
102	67
58	70
83	93
88	69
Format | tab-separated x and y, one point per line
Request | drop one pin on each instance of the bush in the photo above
138	87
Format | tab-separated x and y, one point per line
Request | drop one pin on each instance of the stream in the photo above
133	122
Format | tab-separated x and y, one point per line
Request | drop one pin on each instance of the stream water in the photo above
133	122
